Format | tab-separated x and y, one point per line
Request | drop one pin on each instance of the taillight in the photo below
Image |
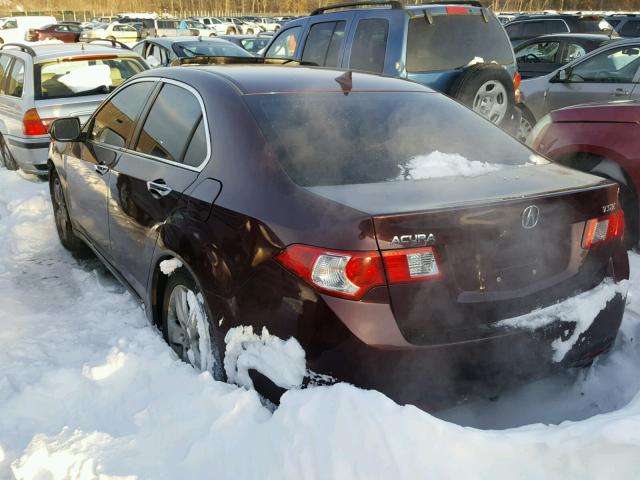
457	11
517	80
604	229
352	274
32	124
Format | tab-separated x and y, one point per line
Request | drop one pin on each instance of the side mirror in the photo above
562	76
66	129
152	61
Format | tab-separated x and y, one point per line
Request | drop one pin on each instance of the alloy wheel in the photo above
491	101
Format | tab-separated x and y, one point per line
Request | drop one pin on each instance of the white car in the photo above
15	29
267	24
123	32
219	26
198	28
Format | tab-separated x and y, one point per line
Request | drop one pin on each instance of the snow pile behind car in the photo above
88	389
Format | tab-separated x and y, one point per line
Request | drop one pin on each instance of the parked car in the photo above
525	27
543	55
461	49
626	25
156	27
162	52
122	32
197	28
242	27
608	73
43	82
58	31
602	139
16	29
220	26
267	24
251	44
387	277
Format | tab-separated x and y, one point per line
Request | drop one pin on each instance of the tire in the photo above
231	31
527	122
67	236
179	328
213	35
487	89
250	31
6	159
111	38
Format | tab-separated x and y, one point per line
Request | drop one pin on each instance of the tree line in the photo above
87	9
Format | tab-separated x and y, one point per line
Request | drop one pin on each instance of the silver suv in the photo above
40	83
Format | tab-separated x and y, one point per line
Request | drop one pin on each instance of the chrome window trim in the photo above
205	118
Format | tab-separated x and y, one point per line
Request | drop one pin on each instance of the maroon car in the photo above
66	32
399	238
603	139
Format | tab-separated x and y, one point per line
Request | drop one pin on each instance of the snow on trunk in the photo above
282	361
437	164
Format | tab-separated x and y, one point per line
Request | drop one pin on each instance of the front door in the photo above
609	75
88	163
148	182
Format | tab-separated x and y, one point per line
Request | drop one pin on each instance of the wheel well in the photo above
159	285
523	108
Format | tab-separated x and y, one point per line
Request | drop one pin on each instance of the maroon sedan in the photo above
399	239
66	32
603	139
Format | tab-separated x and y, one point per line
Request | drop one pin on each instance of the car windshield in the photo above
370	137
254	45
84	77
211	49
453	41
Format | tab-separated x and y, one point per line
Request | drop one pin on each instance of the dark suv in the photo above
458	48
627	25
308	204
525	27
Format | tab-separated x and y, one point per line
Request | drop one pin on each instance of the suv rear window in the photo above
452	41
83	77
375	136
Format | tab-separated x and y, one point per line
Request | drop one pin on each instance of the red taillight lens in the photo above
457	11
517	80
32	124
352	274
604	229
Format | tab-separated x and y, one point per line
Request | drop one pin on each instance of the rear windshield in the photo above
452	41
370	137
211	49
84	77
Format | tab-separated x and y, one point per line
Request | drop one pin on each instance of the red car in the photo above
65	32
600	139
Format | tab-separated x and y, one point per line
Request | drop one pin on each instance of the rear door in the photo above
146	186
88	163
11	97
608	75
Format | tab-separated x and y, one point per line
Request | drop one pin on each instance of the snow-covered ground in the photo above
89	390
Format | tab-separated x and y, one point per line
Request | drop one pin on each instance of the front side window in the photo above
15	81
171	125
613	66
115	123
323	44
369	45
540	52
83	77
10	24
284	46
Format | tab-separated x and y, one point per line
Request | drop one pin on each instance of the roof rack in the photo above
394	4
21	47
114	43
228	60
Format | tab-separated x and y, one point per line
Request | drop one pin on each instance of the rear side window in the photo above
4	65
284	46
171	125
114	124
323	44
452	41
631	29
369	45
555	26
15	81
375	136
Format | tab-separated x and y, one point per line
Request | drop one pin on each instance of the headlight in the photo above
537	130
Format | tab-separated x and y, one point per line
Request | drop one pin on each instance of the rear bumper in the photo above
437	376
30	154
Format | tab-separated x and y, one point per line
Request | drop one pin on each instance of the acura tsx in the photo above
406	244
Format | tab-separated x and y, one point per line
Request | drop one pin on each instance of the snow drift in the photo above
89	390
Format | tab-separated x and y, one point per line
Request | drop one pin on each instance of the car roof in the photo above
596	37
256	79
168	41
48	51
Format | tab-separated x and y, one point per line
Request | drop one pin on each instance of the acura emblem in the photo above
530	216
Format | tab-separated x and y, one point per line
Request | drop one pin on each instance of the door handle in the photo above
159	188
101	169
621	92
